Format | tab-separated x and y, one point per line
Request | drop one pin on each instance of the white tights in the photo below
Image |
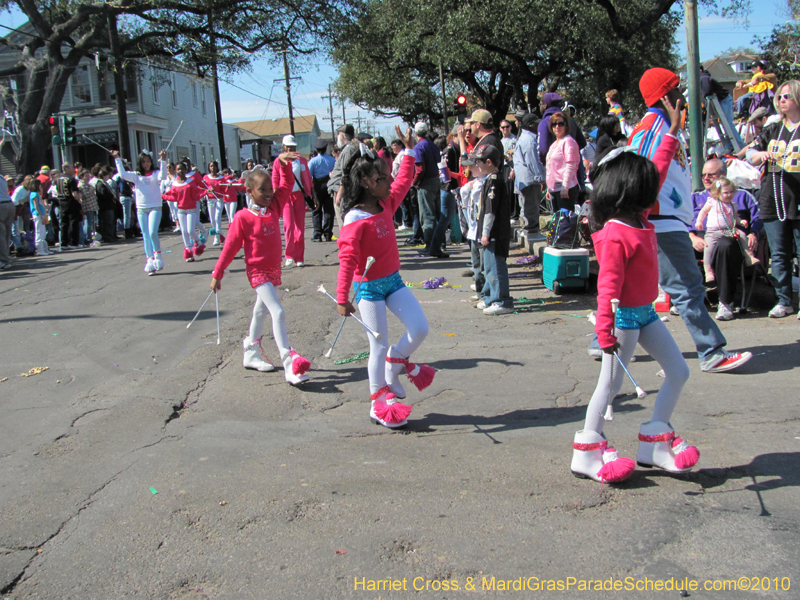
406	307
230	209
215	213
267	300
188	221
658	343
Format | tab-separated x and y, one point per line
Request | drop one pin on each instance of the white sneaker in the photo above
215	242
403	227
289	263
780	310
149	267
254	356
498	309
673	310
301	264
473	287
475	298
724	313
481	305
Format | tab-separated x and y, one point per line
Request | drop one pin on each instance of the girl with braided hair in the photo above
370	200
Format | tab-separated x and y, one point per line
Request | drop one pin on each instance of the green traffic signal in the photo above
70	134
56	140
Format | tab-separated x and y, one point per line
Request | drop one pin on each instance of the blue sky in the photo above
269	101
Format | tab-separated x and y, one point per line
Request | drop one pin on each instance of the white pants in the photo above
215	214
406	307
188	222
267	300
230	209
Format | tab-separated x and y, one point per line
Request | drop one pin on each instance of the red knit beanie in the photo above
655	83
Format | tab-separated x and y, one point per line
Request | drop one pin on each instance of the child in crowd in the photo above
165	185
720	218
214	182
493	229
147	187
40	211
186	195
369	202
258	231
625	189
231	187
89	206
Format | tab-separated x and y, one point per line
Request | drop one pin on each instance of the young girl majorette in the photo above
625	188
186	195
231	187
147	187
40	210
173	206
258	231
213	182
195	178
368	208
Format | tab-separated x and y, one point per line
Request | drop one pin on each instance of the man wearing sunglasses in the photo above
672	216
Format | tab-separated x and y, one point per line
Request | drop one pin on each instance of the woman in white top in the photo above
147	183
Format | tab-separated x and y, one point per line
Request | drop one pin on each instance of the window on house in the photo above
205	158
173	85
194	154
81	86
107	89
194	94
203	99
156	85
141	141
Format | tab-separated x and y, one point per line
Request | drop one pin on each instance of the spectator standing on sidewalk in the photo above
426	180
529	175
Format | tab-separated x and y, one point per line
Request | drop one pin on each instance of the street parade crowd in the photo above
626	184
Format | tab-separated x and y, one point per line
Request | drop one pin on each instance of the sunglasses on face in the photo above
786	96
505	126
558	124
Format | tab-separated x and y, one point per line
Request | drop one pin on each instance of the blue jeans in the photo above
680	277
16	227
149	220
447	210
89	227
477	266
495	290
727	109
126	202
779	236
428	199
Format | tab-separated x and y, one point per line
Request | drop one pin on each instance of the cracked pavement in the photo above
267	491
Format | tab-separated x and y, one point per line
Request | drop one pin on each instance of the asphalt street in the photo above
145	462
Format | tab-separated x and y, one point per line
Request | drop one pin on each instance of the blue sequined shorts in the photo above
377	290
635	317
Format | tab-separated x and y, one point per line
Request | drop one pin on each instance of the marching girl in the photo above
231	187
368	206
147	186
193	177
214	182
186	195
626	186
165	185
258	231
40	210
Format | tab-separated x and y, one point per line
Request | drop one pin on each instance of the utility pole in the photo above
444	98
223	156
119	89
288	88
695	115
344	117
329	98
358	120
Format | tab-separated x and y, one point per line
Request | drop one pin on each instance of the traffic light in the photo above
460	108
70	135
55	129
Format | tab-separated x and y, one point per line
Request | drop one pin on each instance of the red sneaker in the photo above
199	249
725	361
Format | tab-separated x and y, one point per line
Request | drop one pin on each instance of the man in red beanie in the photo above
672	216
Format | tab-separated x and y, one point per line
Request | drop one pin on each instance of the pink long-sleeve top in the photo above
230	187
373	236
280	177
259	234
186	194
628	258
213	187
563	158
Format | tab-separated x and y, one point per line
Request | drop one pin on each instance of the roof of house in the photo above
279	127
721	70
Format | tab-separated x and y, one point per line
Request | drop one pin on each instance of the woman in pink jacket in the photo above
294	209
563	159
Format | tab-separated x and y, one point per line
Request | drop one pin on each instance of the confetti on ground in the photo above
521	275
168	252
3	379
527	260
153	491
431	301
223	503
448	335
341	552
523	300
34	371
355	358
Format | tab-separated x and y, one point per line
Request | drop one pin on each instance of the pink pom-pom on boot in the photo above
300	364
420	375
199	249
615	468
686	456
386	410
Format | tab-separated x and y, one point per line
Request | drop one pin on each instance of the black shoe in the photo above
328	237
439	255
316	239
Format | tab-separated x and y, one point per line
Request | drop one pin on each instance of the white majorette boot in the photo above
660	447
592	458
386	410
420	375
393	369
254	357
157	262
149	267
295	367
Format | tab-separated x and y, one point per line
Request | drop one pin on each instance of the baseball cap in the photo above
421	127
364	136
348	130
484	152
288	140
44	170
482	116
